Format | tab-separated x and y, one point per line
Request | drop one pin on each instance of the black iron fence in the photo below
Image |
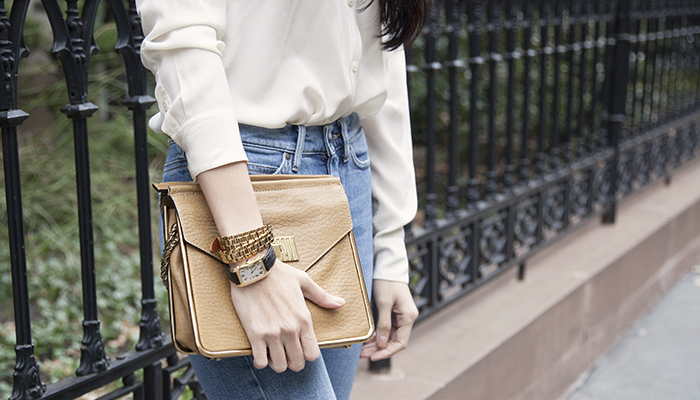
529	118
73	44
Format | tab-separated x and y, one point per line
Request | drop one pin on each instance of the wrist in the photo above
230	198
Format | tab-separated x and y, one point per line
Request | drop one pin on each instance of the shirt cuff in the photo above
210	140
390	253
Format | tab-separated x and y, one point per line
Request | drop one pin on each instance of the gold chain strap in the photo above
173	238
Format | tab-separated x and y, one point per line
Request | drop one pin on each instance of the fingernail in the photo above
338	300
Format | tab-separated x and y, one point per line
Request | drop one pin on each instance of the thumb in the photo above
317	295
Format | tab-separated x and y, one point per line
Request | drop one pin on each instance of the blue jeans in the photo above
337	149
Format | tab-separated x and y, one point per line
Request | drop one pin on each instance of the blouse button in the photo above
354	66
351	3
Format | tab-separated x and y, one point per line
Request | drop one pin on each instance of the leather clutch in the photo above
313	232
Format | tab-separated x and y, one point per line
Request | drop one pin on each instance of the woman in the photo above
298	87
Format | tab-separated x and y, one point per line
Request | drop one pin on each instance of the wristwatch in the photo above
252	270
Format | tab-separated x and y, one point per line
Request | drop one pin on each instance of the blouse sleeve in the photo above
183	49
393	178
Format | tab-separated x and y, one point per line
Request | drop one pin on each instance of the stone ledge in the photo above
532	339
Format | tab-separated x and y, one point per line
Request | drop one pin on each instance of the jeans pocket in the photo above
267	160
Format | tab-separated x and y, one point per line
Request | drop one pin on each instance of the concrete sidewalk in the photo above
659	358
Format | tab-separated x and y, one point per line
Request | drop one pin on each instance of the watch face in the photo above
251	273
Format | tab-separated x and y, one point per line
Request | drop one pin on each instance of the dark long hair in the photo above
402	20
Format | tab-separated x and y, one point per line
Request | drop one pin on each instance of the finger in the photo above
383	324
292	344
369	347
277	358
309	344
259	354
397	342
368	350
391	349
381	354
295	355
319	296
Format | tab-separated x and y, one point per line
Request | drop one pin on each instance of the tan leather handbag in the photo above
313	232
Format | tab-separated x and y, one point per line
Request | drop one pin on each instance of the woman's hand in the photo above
397	312
274	315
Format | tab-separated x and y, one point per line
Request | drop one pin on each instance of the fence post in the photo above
615	116
431	66
73	46
26	379
128	45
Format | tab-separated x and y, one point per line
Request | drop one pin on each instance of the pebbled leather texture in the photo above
312	209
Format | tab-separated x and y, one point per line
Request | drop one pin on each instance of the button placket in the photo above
163	97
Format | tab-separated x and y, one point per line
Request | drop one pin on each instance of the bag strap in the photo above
173	239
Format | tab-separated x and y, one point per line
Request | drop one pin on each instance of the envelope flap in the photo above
311	209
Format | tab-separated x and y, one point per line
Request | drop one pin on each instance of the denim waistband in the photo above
300	139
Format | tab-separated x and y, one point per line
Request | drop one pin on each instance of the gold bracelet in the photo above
243	245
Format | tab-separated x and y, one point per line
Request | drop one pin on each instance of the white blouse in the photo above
270	63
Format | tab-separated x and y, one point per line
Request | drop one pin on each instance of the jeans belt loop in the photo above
328	139
346	142
298	152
